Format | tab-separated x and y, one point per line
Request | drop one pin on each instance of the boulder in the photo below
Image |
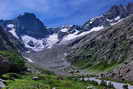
35	78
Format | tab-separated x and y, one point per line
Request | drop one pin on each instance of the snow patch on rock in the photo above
28	59
71	36
12	30
64	30
37	44
51	40
116	22
75	34
117	18
10	25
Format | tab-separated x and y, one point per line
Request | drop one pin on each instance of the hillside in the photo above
102	50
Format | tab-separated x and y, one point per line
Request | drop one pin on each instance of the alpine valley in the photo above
35	56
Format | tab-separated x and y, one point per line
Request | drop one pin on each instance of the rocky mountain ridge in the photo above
39	37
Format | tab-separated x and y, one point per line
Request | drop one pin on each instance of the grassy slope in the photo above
96	68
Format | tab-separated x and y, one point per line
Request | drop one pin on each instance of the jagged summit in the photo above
113	15
29	24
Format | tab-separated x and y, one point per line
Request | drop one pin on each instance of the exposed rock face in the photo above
113	15
28	24
115	11
8	42
107	47
130	8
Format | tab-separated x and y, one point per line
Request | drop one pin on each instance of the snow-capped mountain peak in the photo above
36	36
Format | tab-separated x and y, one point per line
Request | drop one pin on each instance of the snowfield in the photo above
37	44
51	40
75	35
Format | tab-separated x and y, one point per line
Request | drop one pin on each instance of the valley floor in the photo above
48	81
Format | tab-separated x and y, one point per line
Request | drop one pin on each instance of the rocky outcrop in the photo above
123	73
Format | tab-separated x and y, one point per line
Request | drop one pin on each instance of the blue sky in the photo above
57	12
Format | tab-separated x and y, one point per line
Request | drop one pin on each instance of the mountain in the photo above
27	24
110	17
48	47
105	49
37	37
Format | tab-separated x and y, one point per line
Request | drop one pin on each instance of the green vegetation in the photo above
16	61
99	67
13	57
46	81
101	55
